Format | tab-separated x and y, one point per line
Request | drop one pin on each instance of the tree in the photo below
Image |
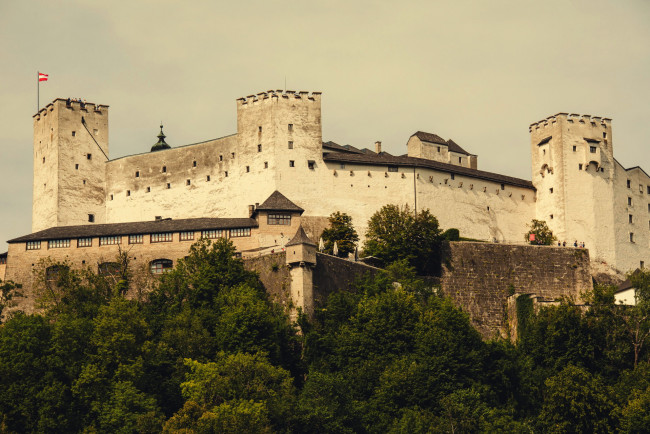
395	233
543	235
638	317
341	232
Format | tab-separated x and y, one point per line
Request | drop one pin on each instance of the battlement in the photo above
72	105
572	117
279	95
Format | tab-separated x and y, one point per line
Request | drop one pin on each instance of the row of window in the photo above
629	202
161	237
629	185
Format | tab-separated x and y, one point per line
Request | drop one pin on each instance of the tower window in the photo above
290	127
43	159
148	189
550	190
575	148
311	164
89	156
604	135
76	166
232	154
169	186
453	176
207	178
111	197
592	149
259	129
137	174
630	218
194	163
91	218
74	133
292	163
187	182
629	183
220	157
248	169
290	144
226	174
629	201
503	186
551	216
95	131
128	192
460	160
266	164
579	166
84	182
259	148
631	237
438	148
164	169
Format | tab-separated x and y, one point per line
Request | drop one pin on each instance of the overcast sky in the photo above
477	72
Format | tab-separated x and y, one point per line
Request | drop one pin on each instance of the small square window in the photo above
248	169
207	178
604	135
575	148
187	182
438	148
169	186
89	156
290	144
290	127
194	163
84	182
266	164
579	166
592	149
91	218
74	133
311	164
292	163
148	189
137	174
551	216
642	264
550	190
76	166
503	186
164	169
453	176
259	148
648	189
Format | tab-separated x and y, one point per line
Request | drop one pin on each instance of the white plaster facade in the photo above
278	146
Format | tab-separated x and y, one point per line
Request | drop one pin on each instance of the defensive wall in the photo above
480	277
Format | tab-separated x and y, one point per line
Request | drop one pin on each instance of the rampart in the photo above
479	277
332	274
274	275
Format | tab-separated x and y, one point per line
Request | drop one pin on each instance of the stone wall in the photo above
274	274
332	273
479	277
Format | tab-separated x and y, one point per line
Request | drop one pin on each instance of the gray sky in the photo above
477	72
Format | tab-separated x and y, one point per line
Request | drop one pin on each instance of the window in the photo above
248	169
137	174
551	216
575	148
311	164
84	182
629	201
592	149
164	169
136	239
232	154
279	219
58	244
3	259
453	176
550	190
187	182
259	129
194	163
648	191
111	197
74	133
111	240
259	148
631	237
161	237
292	163
95	131
629	183
186	236
207	178
604	135
128	193
33	245
642	264
438	148
109	269
169	186
266	164
392	168
290	144
579	166
240	232
460	160
91	218
160	266
89	156
630	218
503	187
212	233
76	166
220	157
148	189
226	174
290	127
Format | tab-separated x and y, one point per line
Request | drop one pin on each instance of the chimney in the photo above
378	147
251	209
158	218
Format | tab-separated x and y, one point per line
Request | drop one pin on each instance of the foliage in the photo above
395	233
341	232
8	290
543	235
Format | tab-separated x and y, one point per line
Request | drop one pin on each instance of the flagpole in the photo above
38	90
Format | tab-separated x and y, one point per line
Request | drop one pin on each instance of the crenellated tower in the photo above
70	152
573	169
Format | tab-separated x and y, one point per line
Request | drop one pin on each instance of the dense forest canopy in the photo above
207	351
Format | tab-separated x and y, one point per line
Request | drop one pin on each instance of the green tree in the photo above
543	235
395	233
8	290
638	316
341	232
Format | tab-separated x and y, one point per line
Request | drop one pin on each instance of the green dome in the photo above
161	142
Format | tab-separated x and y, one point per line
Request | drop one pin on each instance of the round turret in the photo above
161	142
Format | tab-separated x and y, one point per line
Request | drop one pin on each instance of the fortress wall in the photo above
274	274
332	274
480	276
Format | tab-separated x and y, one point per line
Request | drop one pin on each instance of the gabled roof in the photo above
136	228
300	238
386	160
434	138
331	146
278	202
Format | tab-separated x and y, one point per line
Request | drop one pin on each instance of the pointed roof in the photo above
278	202
161	142
300	238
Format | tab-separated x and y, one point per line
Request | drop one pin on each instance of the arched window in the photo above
109	269
160	266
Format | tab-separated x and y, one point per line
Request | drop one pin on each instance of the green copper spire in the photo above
161	142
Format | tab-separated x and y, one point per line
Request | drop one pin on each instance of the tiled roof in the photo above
434	138
111	229
429	164
300	238
278	202
338	148
454	147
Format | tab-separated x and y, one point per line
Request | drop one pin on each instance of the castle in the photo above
577	186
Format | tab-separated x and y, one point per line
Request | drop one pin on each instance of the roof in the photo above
382	159
300	238
339	148
544	140
434	138
278	202
134	228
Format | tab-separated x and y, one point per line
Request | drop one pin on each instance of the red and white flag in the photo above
42	77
